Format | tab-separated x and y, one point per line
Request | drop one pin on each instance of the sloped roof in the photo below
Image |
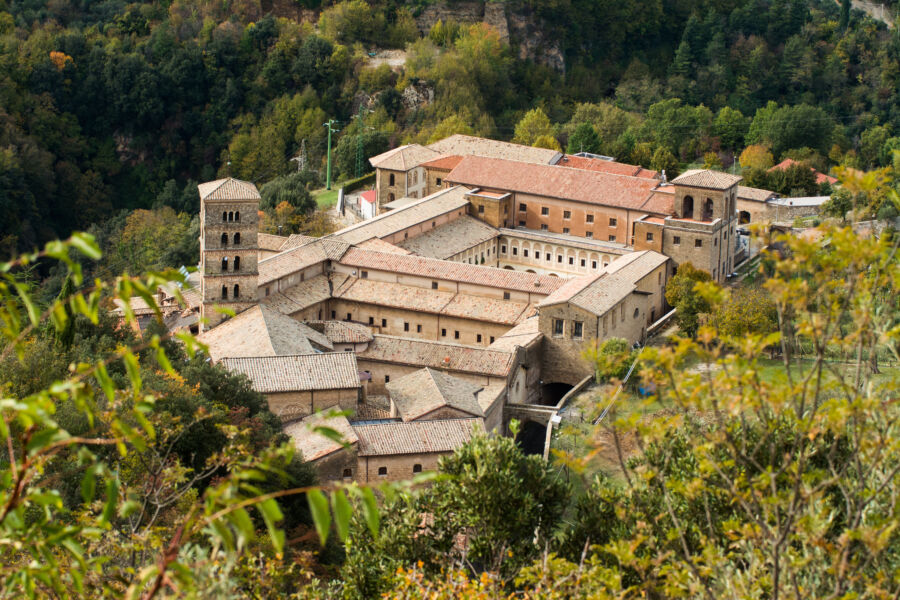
820	177
313	445
415	437
467	145
551	181
420	211
438	355
342	332
521	335
443	163
382	246
449	239
301	296
426	390
228	189
260	331
368	196
451	271
272	243
704	178
298	373
606	166
403	158
755	194
296	259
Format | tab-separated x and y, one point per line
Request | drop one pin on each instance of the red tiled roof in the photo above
444	163
790	162
368	196
606	166
553	181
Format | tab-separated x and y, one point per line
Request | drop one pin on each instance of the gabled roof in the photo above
228	189
755	194
403	158
272	243
415	437
313	445
820	177
438	355
467	145
443	163
342	332
261	331
606	166
298	373
704	178
551	181
449	239
301	296
296	259
426	390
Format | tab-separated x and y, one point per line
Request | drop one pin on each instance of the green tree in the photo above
746	311
663	160
731	127
683	295
532	126
584	139
611	359
288	188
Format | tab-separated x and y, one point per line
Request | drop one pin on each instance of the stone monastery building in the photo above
469	297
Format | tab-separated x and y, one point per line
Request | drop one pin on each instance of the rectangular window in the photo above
571	260
545	211
439	182
384	322
612	222
434	285
589	218
455	335
604	323
481	209
371	320
567	214
578	330
349	316
622	316
506	295
523	207
478	338
333	315
364	274
492	339
502	249
544	227
443	333
715	241
521	223
582	262
267	291
589	234
649	236
698	243
565	230
559	258
515	251
525	252
387	378
612	238
418	328
676	240
558	325
549	257
593	264
405	326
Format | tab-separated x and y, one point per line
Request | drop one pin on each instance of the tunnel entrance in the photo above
551	393
531	437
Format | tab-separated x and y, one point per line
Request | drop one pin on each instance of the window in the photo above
387	378
558	325
622	313
365	274
521	223
612	222
434	285
237	217
506	295
478	338
698	243
348	473
559	258
525	252
687	207
237	238
419	328
384	322
224	239
382	471
224	292
523	207
567	214
237	263
548	256
333	315
224	263
237	291
443	333
571	260
545	211
492	341
455	335
349	317
391	179
649	236
578	330
715	241
637	313
439	182
676	240
417	468
515	251
589	218
405	326
659	278
589	234
433	224
224	217
481	209
502	249
582	262
371	320
593	264
544	227
565	230
267	291
612	238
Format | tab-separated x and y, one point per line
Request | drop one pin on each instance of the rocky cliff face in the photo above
517	26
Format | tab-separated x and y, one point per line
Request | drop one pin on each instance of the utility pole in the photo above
330	126
360	127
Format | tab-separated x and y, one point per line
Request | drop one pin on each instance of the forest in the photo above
107	108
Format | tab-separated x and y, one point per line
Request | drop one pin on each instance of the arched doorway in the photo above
743	217
553	392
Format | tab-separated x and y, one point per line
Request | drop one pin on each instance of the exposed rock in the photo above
495	16
461	12
532	41
417	95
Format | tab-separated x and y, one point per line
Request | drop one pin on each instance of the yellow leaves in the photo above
60	60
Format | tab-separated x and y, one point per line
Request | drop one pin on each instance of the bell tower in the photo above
229	222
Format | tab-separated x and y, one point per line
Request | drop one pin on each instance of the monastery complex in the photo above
467	299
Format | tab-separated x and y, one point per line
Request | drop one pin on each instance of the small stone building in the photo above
333	460
428	394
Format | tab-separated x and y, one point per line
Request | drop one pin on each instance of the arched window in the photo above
230	217
708	210
687	207
224	239
417	468
224	264
237	217
224	292
237	263
348	473
224	217
391	179
237	290
391	197
637	313
744	217
237	238
382	471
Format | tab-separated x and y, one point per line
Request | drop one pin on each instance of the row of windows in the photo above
231	217
236	294
236	264
382	471
407	326
566	230
237	239
559	329
549	257
567	214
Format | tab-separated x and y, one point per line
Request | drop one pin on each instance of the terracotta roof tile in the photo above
449	239
606	166
394	295
301	296
444	163
756	194
228	189
467	145
426	390
705	178
272	243
820	177
298	373
296	259
550	181
521	335
382	246
415	437
342	332
438	355
260	331
313	445
403	158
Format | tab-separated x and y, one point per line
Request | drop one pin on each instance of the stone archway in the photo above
743	217
531	437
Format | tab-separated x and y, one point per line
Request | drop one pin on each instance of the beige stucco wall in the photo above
398	466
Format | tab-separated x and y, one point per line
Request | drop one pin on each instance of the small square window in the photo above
676	240
578	330
349	317
589	234
612	238
523	207
589	218
364	274
698	243
567	214
565	230
649	236
443	333
545	211
417	468
481	209
434	285
506	295
382	471
544	227
612	222
521	223
439	182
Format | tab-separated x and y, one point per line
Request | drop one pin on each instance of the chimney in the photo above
664	180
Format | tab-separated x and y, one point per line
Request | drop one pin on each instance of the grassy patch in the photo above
326	198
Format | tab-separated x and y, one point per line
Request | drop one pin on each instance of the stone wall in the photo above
380	370
332	467
398	466
289	406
